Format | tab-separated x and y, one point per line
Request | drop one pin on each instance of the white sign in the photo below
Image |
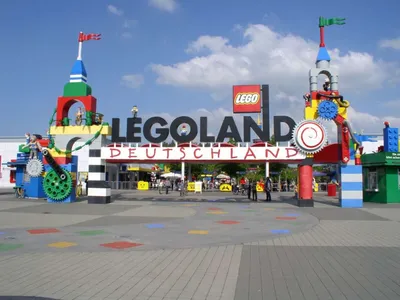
198	187
196	154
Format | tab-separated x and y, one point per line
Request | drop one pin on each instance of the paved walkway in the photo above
198	249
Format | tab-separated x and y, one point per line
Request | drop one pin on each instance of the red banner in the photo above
246	99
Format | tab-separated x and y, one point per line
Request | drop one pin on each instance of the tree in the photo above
232	169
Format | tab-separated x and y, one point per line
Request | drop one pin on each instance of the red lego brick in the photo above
44	143
65	103
43	231
214	208
228	222
59	160
121	245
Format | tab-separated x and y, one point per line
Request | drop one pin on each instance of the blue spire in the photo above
78	72
323	54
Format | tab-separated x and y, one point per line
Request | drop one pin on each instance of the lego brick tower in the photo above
89	127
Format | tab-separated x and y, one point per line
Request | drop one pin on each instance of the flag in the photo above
87	37
334	21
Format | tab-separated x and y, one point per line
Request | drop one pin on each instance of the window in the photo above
372	179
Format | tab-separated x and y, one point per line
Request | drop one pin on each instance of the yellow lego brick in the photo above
54	153
79	130
198	231
342	110
310	113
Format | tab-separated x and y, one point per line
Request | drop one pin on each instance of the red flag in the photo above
87	37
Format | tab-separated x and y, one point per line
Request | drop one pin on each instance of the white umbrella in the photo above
171	175
222	176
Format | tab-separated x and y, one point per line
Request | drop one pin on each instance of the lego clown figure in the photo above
327	85
33	144
183	130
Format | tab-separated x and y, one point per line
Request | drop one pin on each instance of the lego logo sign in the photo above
246	99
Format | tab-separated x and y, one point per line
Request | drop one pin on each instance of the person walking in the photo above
254	191
167	185
268	189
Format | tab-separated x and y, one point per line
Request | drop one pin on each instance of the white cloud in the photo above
133	81
395	104
126	35
114	10
166	5
282	61
390	43
129	23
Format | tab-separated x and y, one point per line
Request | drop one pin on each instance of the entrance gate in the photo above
308	138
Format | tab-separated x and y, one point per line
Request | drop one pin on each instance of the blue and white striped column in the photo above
351	182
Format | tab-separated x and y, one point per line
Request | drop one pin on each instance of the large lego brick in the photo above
72	89
391	139
22	149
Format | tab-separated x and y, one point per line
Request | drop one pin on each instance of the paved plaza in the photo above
212	246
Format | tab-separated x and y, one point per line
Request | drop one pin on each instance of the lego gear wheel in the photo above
34	167
327	110
309	136
55	188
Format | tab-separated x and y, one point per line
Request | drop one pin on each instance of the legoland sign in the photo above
200	154
246	99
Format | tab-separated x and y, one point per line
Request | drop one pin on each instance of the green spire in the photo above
328	22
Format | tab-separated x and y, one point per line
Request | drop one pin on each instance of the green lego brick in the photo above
25	150
73	89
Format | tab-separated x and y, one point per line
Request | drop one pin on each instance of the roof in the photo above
323	54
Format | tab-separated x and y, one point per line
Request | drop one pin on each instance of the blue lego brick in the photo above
75	159
351	169
352	186
69	167
391	139
70	199
351	203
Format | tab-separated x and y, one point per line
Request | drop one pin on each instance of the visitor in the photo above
86	184
268	189
254	191
167	185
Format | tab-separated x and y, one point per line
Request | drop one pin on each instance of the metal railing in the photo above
123	185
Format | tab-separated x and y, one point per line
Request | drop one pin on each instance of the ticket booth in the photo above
381	177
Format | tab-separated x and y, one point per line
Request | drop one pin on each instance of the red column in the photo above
305	198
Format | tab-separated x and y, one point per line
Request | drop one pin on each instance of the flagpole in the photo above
80	46
321	36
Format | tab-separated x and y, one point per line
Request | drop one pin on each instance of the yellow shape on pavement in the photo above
198	231
216	212
62	245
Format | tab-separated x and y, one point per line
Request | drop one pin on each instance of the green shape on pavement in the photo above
249	210
91	232
9	247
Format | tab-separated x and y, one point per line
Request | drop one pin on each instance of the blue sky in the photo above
40	47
